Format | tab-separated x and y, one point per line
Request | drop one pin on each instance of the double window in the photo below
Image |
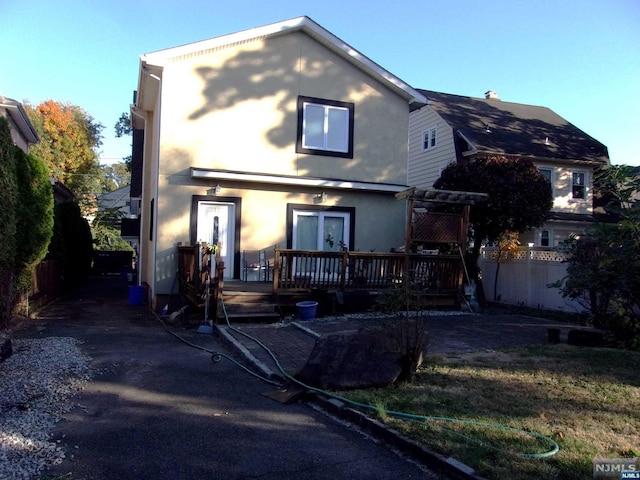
429	138
325	127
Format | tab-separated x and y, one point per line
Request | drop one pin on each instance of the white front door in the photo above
216	225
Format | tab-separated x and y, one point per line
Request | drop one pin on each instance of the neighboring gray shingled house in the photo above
453	128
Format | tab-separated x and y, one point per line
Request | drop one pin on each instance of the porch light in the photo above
214	190
321	197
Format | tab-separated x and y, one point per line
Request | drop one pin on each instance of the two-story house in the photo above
454	128
279	135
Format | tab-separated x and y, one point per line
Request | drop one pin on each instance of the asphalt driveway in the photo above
156	408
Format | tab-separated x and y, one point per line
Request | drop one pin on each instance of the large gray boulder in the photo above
373	357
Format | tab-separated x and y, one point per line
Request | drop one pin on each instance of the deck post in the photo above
276	269
218	287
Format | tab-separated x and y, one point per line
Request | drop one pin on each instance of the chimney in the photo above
491	95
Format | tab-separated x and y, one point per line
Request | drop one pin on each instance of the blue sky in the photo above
581	58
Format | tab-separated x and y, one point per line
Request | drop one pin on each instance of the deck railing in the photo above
304	270
310	269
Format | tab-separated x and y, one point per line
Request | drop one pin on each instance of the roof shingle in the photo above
508	128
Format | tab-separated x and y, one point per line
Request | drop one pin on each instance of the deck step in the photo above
249	307
246	297
252	317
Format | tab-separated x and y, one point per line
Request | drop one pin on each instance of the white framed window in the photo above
547	173
325	127
579	185
320	230
429	138
546	238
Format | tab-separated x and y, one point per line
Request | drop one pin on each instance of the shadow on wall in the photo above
277	70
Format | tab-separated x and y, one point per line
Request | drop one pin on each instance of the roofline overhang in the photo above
20	118
149	83
569	161
288	180
157	59
473	150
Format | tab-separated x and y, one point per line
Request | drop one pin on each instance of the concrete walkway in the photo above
292	341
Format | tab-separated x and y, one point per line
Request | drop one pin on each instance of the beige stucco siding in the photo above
148	216
425	166
380	219
236	109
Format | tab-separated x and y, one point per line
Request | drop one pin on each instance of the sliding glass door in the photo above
318	230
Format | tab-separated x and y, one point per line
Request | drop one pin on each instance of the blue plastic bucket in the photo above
137	295
307	310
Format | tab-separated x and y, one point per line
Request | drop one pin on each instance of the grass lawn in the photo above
585	399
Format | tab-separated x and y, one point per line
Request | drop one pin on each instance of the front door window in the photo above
216	227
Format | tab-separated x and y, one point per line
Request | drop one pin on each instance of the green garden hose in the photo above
554	448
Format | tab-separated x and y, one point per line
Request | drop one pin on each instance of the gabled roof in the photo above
19	116
300	24
490	125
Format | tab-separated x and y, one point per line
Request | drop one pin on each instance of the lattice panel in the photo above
437	227
522	253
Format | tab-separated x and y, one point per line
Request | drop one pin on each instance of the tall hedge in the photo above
34	215
8	241
26	219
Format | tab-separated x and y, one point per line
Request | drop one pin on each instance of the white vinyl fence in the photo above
524	279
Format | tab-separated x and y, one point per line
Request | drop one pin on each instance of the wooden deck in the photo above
299	273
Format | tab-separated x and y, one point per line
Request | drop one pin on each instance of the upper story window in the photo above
429	138
325	127
546	173
545	238
578	186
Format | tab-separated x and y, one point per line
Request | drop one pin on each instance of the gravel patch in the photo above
37	385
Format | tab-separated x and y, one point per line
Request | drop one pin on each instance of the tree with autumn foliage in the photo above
519	198
69	142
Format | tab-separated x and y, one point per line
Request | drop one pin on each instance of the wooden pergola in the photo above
437	227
